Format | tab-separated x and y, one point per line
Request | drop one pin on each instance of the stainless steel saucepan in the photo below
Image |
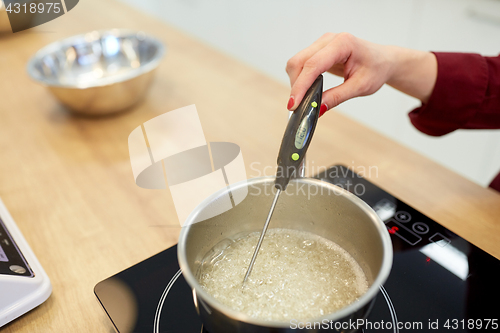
307	205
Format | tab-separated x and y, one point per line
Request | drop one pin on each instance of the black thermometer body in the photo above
298	134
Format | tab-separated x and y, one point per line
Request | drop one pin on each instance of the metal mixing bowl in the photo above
99	72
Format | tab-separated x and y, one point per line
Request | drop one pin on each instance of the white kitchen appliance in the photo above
23	282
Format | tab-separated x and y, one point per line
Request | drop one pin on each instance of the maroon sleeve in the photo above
466	95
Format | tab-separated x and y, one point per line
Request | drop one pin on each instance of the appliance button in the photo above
396	228
403	216
439	239
17	269
385	209
420	228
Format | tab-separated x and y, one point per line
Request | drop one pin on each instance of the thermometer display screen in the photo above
303	132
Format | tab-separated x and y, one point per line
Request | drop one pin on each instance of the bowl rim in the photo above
105	81
344	312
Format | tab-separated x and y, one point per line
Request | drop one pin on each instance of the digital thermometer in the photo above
296	140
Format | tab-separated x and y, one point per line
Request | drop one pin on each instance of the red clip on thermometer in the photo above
296	140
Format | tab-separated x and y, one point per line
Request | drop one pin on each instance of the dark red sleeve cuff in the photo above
495	183
459	91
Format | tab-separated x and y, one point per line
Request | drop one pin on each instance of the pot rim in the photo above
334	316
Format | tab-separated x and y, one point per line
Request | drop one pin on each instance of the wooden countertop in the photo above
67	180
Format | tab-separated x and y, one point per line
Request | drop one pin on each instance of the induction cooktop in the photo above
439	282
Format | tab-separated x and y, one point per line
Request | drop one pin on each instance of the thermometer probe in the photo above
296	140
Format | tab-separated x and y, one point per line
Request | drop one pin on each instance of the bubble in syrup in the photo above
319	277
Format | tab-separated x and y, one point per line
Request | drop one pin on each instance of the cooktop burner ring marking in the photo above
392	310
156	327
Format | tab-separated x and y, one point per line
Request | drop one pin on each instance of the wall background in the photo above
265	34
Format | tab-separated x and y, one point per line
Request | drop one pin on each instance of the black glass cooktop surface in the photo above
439	282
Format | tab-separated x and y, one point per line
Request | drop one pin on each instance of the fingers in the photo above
365	67
296	63
336	51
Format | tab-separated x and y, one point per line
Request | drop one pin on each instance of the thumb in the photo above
341	93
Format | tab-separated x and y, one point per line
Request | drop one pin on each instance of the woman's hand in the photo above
365	67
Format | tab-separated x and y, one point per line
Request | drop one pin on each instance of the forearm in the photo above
412	72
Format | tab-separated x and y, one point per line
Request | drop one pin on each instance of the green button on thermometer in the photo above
296	140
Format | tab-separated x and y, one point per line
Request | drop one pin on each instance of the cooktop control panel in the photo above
411	227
